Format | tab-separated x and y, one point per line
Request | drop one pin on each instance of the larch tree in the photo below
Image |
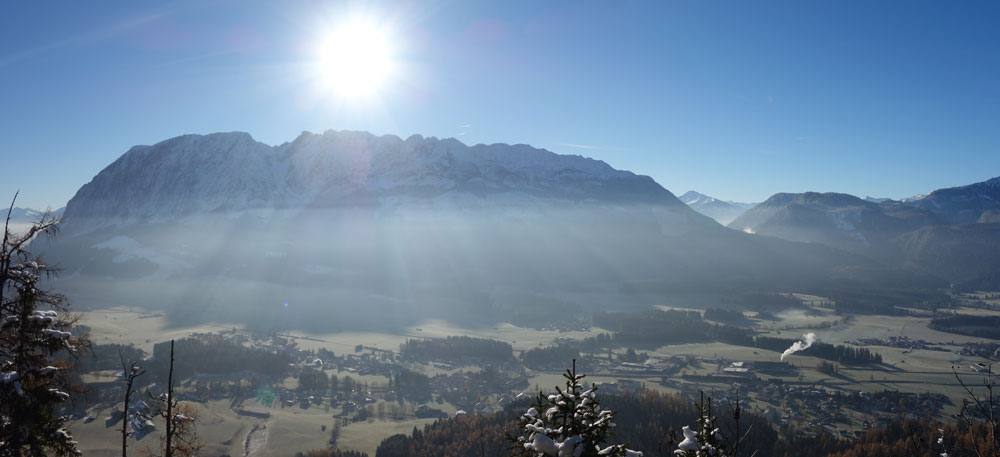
180	439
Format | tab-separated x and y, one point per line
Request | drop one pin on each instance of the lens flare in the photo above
356	59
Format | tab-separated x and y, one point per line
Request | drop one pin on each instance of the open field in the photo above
903	370
135	326
288	430
977	311
291	429
881	327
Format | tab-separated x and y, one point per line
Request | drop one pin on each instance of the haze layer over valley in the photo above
222	228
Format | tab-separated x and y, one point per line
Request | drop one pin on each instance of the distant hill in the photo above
964	204
953	233
722	211
959	251
839	220
21	218
29	214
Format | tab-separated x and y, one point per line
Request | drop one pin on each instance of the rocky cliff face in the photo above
232	172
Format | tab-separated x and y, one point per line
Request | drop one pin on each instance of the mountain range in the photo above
232	172
18	214
21	218
952	233
355	229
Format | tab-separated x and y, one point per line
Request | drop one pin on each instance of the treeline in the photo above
919	438
346	384
887	301
988	281
649	423
550	356
967	324
555	357
659	327
313	380
456	348
108	357
412	385
331	453
463	436
655	327
756	301
846	355
724	315
215	355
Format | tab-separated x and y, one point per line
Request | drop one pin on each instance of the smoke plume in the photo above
797	346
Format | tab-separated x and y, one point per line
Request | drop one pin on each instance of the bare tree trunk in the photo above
130	374
128	393
4	256
170	402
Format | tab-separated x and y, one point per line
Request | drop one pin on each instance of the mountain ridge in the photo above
232	171
212	226
926	233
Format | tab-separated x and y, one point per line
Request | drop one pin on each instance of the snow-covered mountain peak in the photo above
233	172
722	211
694	198
390	151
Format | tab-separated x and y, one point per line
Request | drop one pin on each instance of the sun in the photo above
355	60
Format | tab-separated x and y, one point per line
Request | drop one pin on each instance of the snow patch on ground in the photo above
844	221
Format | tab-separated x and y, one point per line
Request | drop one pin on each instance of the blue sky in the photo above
738	100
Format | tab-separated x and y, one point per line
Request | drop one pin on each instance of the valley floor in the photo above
283	429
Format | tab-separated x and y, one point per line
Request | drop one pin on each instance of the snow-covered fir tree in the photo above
706	440
569	423
34	329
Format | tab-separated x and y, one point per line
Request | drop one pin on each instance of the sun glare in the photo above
355	59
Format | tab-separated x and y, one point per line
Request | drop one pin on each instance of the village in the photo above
370	383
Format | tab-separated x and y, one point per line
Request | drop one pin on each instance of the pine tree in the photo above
34	329
569	423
